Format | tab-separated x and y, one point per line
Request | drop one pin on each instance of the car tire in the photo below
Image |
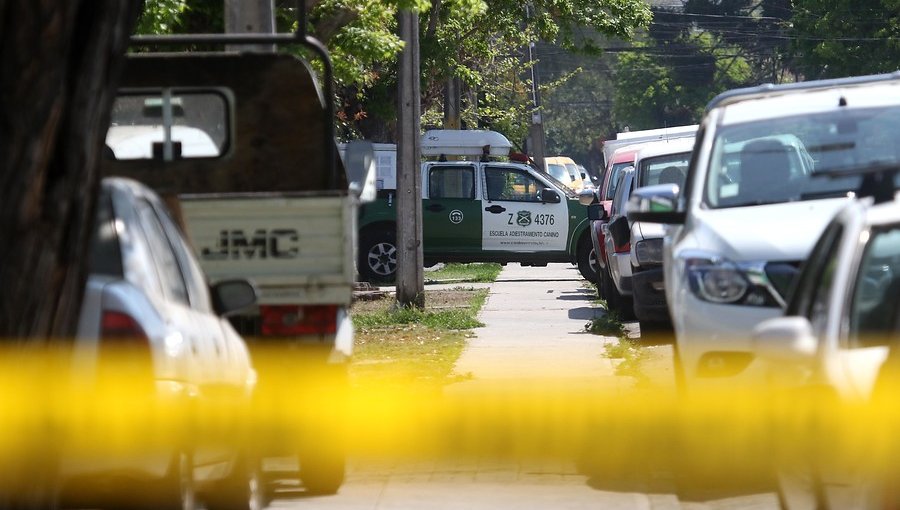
243	489
378	255
583	255
616	302
177	491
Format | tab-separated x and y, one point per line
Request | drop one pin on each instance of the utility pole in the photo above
452	94
250	17
410	277
536	142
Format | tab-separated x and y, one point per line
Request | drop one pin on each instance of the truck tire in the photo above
378	255
586	259
322	473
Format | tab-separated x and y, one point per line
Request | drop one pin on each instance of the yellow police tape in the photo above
52	416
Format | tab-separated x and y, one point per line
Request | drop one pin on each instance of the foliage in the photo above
608	324
834	38
653	90
160	16
413	346
477	272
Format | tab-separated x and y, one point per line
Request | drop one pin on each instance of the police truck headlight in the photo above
718	280
649	252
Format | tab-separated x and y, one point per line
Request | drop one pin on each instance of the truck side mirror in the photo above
596	212
360	164
549	196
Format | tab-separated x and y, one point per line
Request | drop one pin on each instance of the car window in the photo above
190	124
105	252
164	259
821	296
613	182
559	172
194	279
876	292
785	159
511	184
623	191
451	182
803	291
668	169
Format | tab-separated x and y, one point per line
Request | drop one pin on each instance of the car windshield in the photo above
559	172
562	186
790	158
614	178
668	169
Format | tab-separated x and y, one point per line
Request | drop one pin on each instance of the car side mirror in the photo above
232	296
359	161
785	340
587	197
620	231
549	196
655	204
596	212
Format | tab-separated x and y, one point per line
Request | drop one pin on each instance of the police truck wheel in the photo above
587	261
378	256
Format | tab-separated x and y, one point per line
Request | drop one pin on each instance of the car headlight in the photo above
649	252
719	280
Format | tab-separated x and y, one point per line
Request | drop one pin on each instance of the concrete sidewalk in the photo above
536	331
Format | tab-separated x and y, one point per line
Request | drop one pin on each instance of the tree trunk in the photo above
60	61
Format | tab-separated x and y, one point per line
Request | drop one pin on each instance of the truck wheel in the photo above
616	302
587	260
378	256
322	473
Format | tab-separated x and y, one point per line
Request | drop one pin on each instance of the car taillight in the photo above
124	349
625	248
291	320
121	328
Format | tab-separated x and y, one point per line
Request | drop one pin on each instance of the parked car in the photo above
751	211
837	333
602	200
655	163
147	304
616	283
565	170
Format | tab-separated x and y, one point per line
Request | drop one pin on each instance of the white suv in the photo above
751	209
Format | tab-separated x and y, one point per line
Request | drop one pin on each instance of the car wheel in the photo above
587	260
378	256
177	490
243	489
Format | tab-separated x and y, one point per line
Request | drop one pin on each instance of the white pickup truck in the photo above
240	146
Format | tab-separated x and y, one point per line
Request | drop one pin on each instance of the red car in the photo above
621	159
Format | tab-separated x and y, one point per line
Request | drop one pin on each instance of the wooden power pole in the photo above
250	17
410	278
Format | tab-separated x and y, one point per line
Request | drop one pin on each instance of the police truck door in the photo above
514	216
451	218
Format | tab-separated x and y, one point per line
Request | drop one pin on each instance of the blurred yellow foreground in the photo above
49	414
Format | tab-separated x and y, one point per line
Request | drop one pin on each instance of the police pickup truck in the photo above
479	210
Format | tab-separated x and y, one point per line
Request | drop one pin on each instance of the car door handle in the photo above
435	207
496	209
